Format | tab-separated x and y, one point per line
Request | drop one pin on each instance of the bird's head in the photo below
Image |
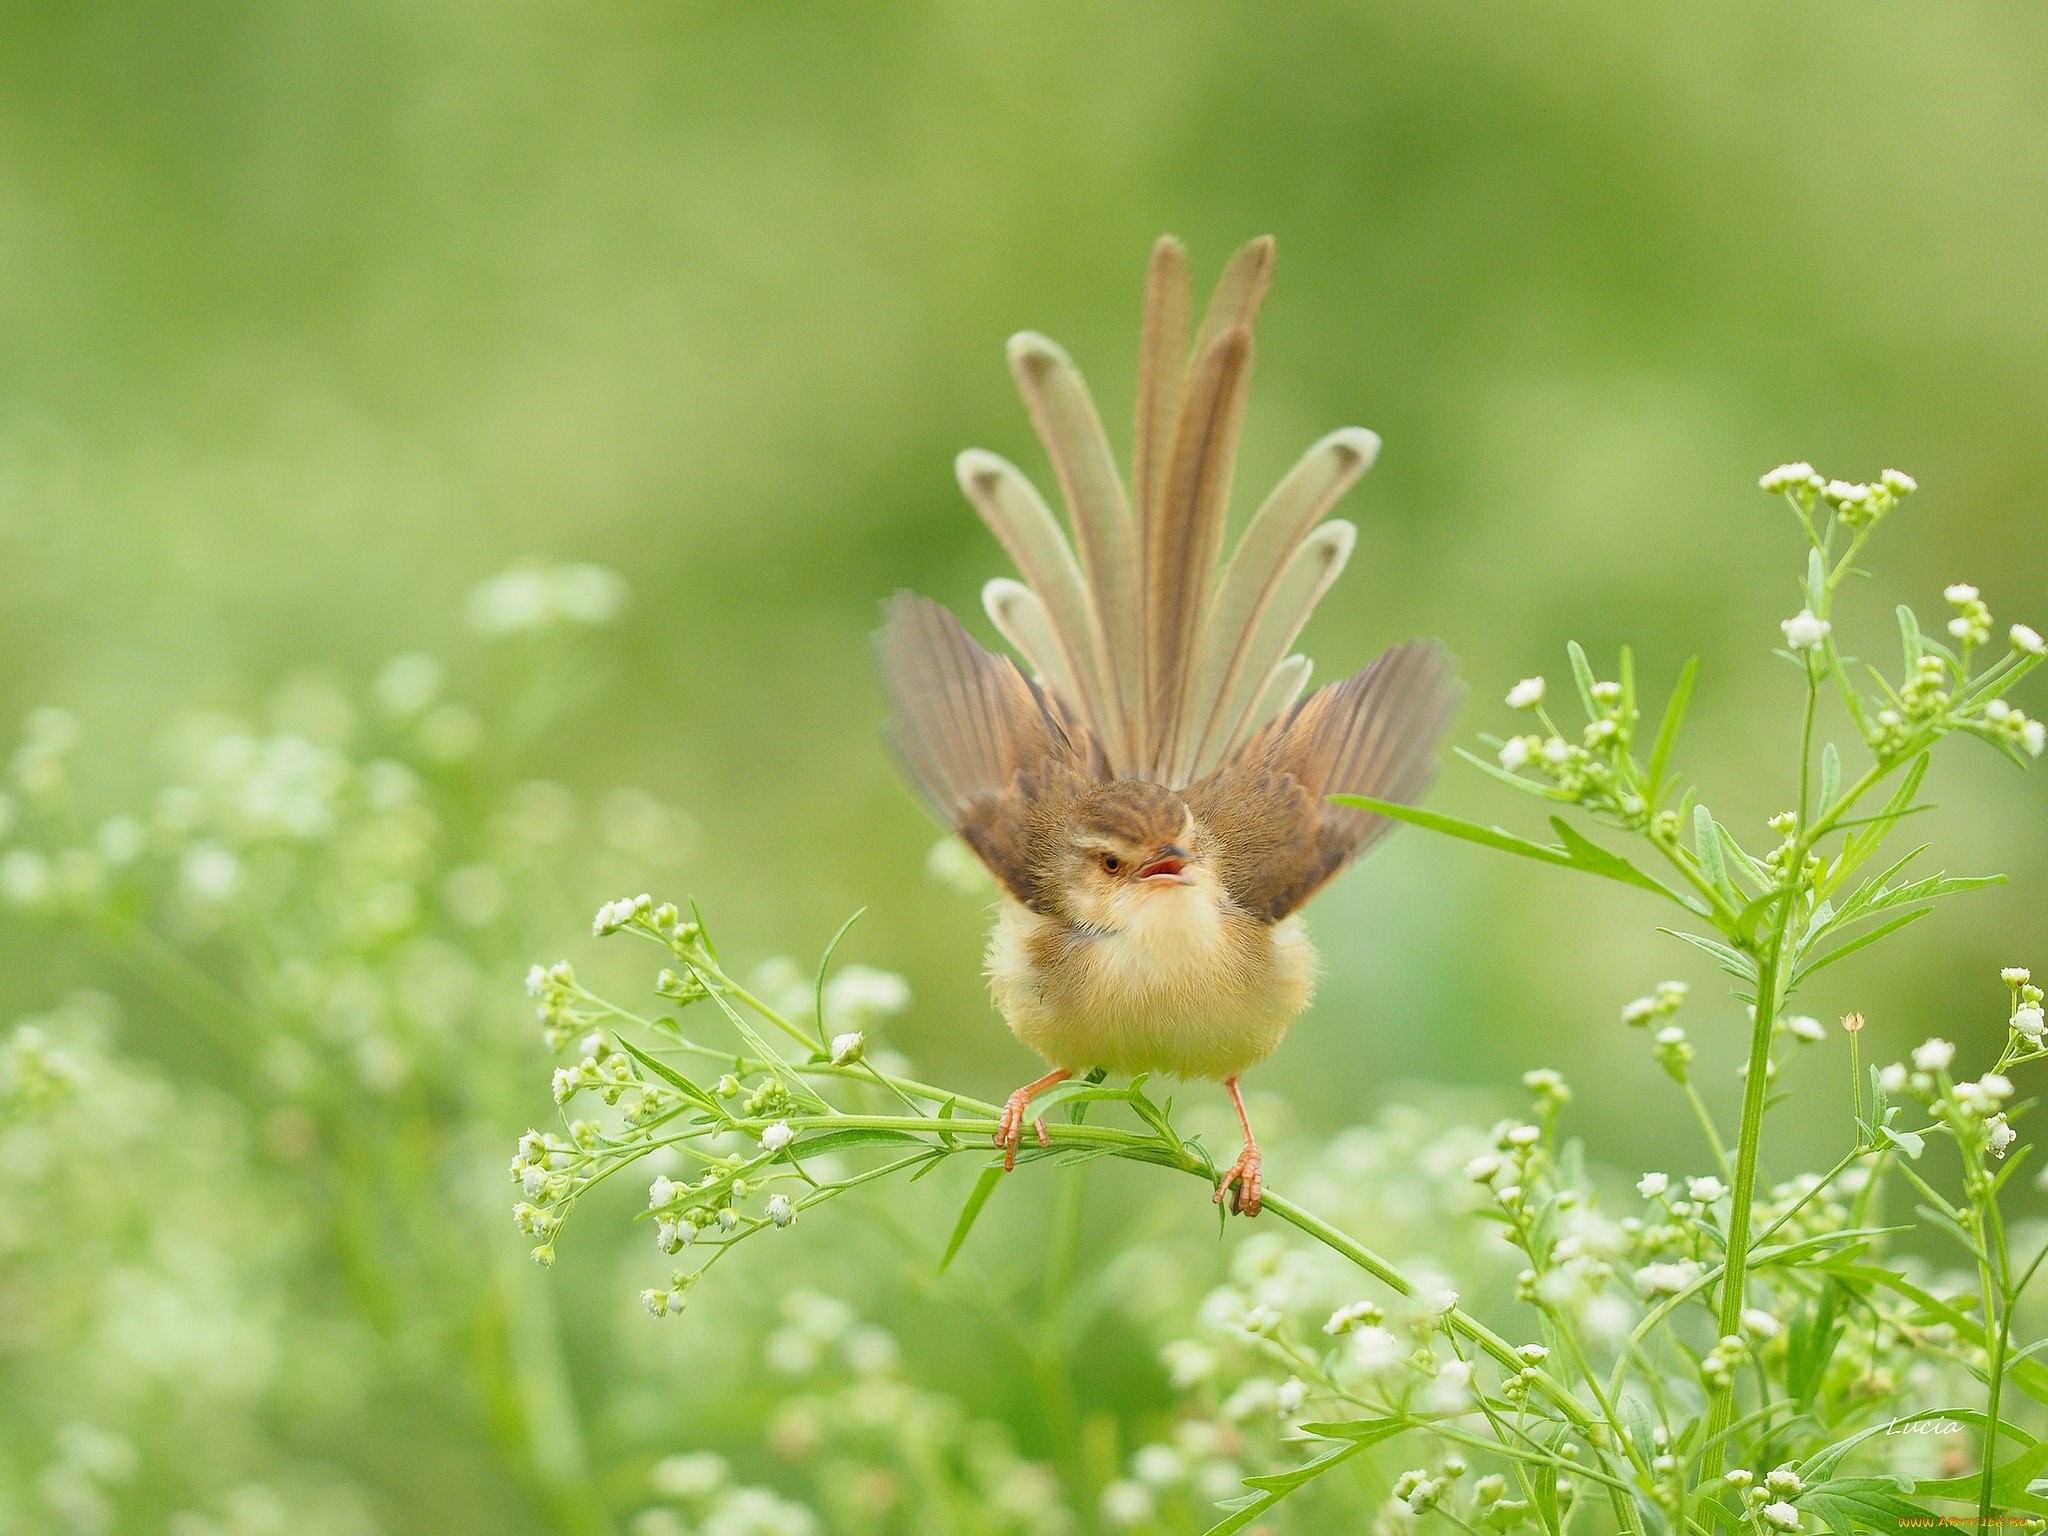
1133	853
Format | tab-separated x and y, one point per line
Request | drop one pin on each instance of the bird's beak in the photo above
1168	866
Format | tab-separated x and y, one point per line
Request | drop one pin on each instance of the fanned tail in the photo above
1168	664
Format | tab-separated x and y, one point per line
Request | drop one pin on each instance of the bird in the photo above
1149	788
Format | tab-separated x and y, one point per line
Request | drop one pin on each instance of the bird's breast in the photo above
1185	987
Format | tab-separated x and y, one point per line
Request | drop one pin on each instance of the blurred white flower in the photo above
1526	694
533	597
1934	1055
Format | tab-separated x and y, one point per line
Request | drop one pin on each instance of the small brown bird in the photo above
1152	798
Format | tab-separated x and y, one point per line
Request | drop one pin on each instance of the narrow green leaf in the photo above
672	1077
1830	773
1582	674
818	988
1706	847
1733	961
1861	941
1734	854
1275	1488
1595	860
1909	638
1816	581
1515	780
1452	826
1667	730
971	1211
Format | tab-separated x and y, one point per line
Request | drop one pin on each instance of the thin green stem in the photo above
1735	1266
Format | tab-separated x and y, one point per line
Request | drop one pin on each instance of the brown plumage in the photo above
1151	797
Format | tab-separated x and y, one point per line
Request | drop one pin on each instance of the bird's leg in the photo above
1244	1173
1010	1130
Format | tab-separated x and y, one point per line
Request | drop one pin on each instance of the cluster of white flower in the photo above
1590	771
534	597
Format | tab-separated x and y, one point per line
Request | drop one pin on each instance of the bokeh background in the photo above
314	316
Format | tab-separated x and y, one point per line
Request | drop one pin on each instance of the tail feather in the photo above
1168	664
1182	543
1023	524
1251	579
1104	536
1307	573
1162	360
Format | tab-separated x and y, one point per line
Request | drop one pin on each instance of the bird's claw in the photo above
1242	1183
1010	1129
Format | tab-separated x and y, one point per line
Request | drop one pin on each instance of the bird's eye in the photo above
1112	863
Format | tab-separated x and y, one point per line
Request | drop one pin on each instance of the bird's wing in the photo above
980	742
1279	839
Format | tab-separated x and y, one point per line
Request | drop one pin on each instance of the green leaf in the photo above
2009	1483
1526	786
1822	1463
1734	854
1909	638
2030	1376
1733	960
1830	773
818	988
1706	847
1861	941
1816	581
672	1077
1271	1490
1667	731
1582	674
1595	860
1452	826
977	1197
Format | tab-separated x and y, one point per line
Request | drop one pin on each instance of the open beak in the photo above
1168	867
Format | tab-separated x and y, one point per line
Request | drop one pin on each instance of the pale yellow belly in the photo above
1203	1005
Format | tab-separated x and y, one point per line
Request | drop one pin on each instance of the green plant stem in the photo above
1995	1330
1755	1090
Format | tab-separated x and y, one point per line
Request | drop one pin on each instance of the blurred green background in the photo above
313	316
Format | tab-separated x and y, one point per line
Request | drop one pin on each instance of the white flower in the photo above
1651	1185
1158	1464
1999	1135
1292	1394
777	1136
780	1211
1784	1480
1556	751
1934	1056
1706	1190
1514	753
1995	1086
1346	1318
535	597
1373	1352
1654	1280
1526	694
848	1048
1640	1012
1127	1503
1898	482
1806	1028
1759	1324
656	1302
1787	477
663	1191
1960	592
860	994
1483	1169
2034	737
1805	630
2015	975
2028	1021
2027	638
1893	1078
1439	1302
1780	1516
